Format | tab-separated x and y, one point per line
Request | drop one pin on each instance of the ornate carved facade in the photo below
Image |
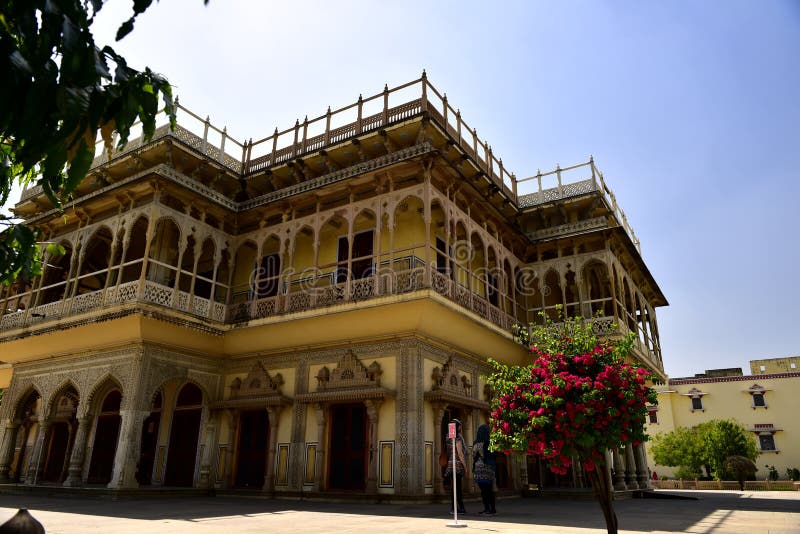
301	313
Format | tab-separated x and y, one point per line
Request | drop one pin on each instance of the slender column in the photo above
619	471
427	217
110	269
36	466
75	474
373	407
269	474
319	476
126	241
642	477
7	448
184	242
630	467
146	255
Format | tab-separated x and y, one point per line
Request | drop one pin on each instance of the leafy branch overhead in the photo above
59	91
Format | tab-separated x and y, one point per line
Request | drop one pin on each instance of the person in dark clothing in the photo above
460	467
484	469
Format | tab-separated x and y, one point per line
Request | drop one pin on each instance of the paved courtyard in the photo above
720	512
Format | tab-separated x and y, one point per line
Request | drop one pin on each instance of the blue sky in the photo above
690	109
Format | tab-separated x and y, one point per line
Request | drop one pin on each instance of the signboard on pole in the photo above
451	431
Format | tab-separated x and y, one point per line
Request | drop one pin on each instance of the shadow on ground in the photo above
710	509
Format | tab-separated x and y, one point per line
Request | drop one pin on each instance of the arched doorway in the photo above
27	415
347	465
106	435
183	438
251	449
60	436
147	452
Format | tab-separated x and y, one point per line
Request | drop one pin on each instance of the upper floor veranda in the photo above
172	225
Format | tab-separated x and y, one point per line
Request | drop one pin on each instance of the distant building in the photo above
766	403
306	312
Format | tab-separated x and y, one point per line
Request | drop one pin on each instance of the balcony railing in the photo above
385	283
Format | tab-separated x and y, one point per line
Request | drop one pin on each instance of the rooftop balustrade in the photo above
371	114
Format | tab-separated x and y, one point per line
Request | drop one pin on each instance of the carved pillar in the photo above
76	459
269	473
35	468
373	407
128	445
642	477
427	218
7	449
438	415
297	449
182	246
619	471
135	409
630	467
71	428
146	254
320	411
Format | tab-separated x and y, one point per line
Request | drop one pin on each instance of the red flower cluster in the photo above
573	407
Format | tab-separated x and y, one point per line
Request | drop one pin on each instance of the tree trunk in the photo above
601	485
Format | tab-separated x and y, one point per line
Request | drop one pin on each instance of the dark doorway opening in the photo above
56	452
147	453
105	440
183	438
252	449
347	466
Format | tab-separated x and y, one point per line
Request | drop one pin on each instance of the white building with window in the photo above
765	402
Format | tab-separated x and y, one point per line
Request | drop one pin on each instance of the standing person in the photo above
484	467
460	466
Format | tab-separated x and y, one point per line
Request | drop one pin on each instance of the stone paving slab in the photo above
719	512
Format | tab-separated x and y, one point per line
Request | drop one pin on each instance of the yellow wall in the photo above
728	399
775	365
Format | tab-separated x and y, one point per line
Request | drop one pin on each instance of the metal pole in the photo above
453	430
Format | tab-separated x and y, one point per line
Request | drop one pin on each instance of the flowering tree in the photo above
579	398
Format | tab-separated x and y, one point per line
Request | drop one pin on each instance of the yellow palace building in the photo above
301	313
765	402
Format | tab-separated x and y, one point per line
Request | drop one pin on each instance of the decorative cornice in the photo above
745	378
345	395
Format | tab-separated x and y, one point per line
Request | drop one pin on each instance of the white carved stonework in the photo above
257	383
349	373
448	378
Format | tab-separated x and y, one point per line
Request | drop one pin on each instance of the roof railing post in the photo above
458	124
539	179
424	99
558	174
249	149
385	117
444	112
475	142
274	147
514	185
487	152
305	134
222	145
205	134
500	165
245	159
328	126
594	176
360	111
296	136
